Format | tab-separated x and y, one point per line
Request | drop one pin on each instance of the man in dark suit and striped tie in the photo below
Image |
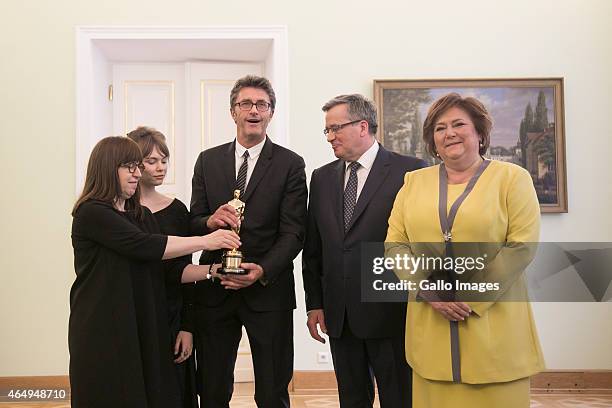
272	183
350	202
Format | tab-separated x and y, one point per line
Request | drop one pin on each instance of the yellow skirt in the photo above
443	394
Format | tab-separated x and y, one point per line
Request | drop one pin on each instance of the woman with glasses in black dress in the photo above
118	331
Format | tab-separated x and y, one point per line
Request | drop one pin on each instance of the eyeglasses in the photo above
262	106
132	166
336	128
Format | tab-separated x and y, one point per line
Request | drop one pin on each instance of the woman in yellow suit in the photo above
469	354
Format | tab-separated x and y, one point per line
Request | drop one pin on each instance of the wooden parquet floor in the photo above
243	398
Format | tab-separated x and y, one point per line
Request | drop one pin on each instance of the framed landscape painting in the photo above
528	127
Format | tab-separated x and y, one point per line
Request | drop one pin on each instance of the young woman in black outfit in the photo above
120	354
173	218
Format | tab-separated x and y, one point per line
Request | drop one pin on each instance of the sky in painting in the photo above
506	105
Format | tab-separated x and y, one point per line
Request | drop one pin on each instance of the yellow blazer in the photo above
498	341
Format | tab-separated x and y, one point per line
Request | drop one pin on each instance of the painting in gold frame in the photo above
528	127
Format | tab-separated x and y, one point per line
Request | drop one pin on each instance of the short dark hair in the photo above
148	138
102	181
252	81
358	107
476	109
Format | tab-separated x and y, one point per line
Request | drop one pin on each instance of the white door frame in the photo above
87	55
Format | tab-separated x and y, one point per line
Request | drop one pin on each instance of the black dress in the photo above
174	220
118	337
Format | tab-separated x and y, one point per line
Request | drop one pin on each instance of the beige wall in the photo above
335	47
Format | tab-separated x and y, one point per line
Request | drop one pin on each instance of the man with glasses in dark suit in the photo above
350	202
272	183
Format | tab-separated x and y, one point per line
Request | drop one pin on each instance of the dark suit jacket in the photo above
331	258
272	232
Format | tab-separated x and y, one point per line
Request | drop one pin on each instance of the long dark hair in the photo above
102	181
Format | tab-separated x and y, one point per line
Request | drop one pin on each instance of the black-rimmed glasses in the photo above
262	106
337	128
132	166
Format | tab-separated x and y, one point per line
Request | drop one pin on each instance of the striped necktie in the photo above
242	173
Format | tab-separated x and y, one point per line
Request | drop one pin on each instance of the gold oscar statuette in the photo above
233	258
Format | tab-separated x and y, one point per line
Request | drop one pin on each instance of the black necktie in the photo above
350	194
242	173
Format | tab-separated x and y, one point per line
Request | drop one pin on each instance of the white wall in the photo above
335	47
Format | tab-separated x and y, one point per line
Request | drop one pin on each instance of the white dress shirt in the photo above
254	153
366	161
